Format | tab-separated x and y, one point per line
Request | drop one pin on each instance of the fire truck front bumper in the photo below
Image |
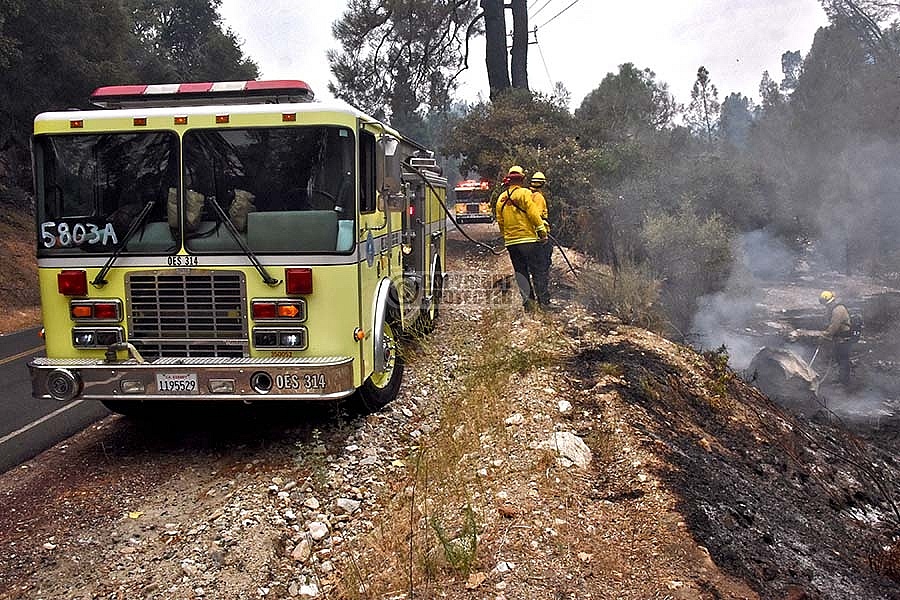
245	379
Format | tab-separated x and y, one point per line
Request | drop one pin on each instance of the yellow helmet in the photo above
538	179
826	297
516	171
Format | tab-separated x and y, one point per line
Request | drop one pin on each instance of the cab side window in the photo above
366	172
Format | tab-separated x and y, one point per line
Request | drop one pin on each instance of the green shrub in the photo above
691	255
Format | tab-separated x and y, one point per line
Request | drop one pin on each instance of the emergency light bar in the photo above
194	94
473	184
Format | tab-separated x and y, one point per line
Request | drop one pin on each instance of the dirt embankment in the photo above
556	456
19	282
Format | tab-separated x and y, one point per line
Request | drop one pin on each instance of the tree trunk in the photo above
495	46
520	44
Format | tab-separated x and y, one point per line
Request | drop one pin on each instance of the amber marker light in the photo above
140	121
76	124
288	310
222	118
82	311
289	117
359	335
182	120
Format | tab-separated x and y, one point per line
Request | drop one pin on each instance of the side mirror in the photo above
388	173
388	165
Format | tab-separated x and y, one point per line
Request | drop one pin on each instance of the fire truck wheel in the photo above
382	387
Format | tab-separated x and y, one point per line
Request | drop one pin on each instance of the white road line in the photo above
33	424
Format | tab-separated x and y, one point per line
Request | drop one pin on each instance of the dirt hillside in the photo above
529	457
18	282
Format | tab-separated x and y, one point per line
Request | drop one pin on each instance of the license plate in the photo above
176	383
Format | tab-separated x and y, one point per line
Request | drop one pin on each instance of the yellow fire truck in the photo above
473	201
230	241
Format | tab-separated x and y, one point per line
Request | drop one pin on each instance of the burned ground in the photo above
780	502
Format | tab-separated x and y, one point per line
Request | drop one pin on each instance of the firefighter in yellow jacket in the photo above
525	236
538	180
838	332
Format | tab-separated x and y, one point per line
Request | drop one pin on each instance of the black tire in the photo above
381	388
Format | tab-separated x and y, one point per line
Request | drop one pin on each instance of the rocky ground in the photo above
552	456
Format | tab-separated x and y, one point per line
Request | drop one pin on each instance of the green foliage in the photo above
722	375
692	256
461	551
400	58
625	105
184	41
702	115
631	294
735	120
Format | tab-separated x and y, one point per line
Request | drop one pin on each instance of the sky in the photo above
578	42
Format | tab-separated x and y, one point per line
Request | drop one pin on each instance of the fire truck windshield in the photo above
288	189
90	188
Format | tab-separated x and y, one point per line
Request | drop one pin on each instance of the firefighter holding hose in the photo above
525	237
838	332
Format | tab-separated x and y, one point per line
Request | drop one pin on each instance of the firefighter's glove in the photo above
542	235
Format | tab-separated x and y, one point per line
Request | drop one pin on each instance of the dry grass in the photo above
442	508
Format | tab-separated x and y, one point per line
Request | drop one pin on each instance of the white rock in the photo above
317	530
311	503
564	406
346	506
515	419
301	552
309	590
571	449
504	566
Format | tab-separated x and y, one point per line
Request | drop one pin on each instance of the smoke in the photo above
736	316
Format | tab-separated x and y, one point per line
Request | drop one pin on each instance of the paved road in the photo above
29	426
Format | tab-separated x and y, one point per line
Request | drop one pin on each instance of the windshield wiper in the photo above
136	223
229	225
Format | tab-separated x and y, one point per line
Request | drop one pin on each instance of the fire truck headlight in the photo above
291	339
265	338
82	338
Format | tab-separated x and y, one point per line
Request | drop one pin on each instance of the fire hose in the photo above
815	354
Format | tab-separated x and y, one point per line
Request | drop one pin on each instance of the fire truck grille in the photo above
190	314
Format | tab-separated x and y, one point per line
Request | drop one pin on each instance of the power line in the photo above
543	6
533	2
559	13
541	52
